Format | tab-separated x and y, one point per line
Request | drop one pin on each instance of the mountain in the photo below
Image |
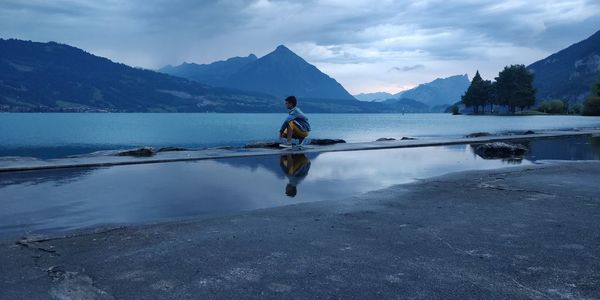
569	73
440	92
406	105
56	77
379	96
280	73
214	74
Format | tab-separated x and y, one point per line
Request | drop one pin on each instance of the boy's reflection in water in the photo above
295	167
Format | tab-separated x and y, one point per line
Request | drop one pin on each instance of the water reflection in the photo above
295	167
570	148
69	199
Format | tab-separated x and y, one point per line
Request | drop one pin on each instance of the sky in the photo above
367	46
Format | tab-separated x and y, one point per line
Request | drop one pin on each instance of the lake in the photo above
58	135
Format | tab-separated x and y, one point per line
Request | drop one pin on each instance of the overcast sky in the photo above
367	46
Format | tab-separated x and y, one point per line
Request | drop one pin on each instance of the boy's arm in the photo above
291	116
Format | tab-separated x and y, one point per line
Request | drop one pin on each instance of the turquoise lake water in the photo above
59	135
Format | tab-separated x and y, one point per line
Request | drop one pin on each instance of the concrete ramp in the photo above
16	164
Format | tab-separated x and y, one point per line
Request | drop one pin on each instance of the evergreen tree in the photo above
477	94
514	87
488	88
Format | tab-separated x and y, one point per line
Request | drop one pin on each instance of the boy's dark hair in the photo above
291	190
292	100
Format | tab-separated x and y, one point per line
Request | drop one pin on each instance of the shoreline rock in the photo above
139	152
500	150
325	142
172	149
478	134
265	144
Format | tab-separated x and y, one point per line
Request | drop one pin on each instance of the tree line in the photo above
591	106
513	88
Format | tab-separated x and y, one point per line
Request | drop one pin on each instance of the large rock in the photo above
406	138
139	152
384	139
325	142
500	150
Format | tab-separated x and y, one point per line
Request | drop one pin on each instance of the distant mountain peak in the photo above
282	48
280	72
441	91
283	51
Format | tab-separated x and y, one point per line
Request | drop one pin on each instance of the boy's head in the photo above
291	190
290	102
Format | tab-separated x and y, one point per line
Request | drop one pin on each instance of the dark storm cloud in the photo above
355	41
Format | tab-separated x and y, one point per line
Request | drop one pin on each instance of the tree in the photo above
478	93
455	110
490	94
553	107
514	87
591	106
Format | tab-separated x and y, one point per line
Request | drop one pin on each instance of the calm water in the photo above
59	200
59	135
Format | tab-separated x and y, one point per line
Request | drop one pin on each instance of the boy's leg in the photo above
290	133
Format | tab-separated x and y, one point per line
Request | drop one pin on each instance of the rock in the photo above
406	138
385	139
171	149
529	132
227	148
263	145
324	142
478	134
500	150
140	152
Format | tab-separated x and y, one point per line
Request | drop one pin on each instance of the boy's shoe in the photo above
286	145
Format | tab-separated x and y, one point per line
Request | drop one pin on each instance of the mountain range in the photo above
377	96
433	96
57	77
280	73
441	91
569	73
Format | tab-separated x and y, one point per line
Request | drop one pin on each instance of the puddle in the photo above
62	200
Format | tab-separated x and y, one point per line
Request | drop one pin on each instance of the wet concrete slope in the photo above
528	232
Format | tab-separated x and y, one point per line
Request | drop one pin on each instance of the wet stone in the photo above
139	152
171	149
500	150
325	142
478	134
266	144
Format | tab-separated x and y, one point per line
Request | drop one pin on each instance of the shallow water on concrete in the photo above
60	200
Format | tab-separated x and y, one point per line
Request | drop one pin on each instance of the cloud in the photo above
408	68
354	41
